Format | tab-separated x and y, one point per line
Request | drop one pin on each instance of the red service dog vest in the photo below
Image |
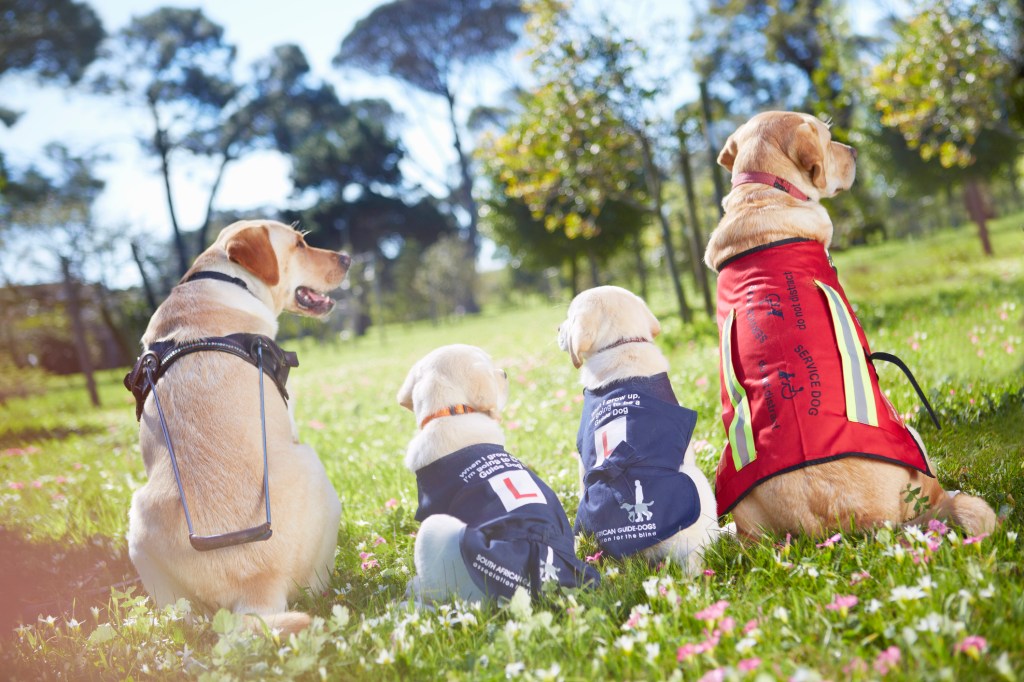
798	387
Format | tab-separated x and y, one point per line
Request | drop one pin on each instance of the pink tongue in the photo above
315	297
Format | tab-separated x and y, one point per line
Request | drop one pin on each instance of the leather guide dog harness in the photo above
516	534
256	349
798	384
632	439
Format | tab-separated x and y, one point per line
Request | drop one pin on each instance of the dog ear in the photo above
581	340
251	248
652	320
405	392
727	157
488	389
808	153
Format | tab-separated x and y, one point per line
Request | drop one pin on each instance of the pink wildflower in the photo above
716	675
842	603
750	626
855	666
701	382
915	346
728	624
937	526
887	660
975	538
830	542
37	483
858	577
688	651
748	664
372	563
595	557
60	479
713	612
76	466
316	425
391	504
973	646
708	572
377	541
560	393
15	485
365	555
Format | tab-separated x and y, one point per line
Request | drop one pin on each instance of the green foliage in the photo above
898	604
943	86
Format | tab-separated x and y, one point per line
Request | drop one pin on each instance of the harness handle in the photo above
204	543
890	358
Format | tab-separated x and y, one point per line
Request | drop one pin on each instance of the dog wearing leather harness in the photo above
813	443
221	452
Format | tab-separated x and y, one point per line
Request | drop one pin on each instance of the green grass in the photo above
67	472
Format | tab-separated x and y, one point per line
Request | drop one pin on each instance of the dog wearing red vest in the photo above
813	443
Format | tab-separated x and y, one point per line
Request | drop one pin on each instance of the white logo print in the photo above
640	510
548	570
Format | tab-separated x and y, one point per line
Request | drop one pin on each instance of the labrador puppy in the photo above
642	491
489	524
813	443
255	270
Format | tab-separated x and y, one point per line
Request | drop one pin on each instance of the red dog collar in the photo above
770	180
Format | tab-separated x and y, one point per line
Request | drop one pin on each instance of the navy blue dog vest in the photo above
517	533
632	439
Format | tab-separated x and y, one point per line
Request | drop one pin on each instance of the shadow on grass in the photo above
52	579
982	452
11	439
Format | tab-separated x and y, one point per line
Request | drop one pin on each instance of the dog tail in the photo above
971	513
288	622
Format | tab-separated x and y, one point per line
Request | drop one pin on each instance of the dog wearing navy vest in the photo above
642	491
254	271
489	524
813	444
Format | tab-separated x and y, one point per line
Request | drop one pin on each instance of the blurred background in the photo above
471	155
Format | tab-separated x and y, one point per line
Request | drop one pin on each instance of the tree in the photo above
58	211
53	39
586	134
174	61
943	87
430	45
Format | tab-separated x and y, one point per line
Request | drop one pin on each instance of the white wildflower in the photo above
625	643
549	674
926	583
1011	535
746	644
903	593
651	586
652	651
385	657
872	606
930	623
514	669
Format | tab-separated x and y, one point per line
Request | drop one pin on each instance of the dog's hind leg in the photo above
440	571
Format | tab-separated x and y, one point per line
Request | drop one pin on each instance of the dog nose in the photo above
344	259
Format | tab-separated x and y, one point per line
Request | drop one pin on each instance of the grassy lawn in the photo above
899	604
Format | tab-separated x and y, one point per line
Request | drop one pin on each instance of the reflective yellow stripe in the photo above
741	434
860	397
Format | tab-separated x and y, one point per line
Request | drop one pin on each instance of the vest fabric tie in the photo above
632	439
798	385
517	533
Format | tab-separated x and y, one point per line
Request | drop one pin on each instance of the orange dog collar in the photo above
447	412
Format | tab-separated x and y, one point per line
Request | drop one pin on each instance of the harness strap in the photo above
249	347
889	357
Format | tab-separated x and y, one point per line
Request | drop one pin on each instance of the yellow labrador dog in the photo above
813	443
642	491
489	524
233	295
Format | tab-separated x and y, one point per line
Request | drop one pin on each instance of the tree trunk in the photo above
654	187
78	330
716	172
147	286
979	211
124	352
164	150
205	227
641	267
574	276
465	192
696	234
595	272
